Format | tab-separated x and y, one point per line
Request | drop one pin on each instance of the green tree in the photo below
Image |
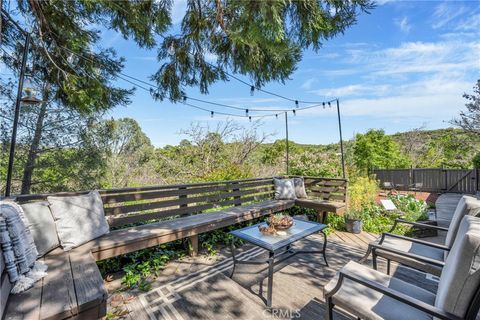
469	120
374	149
476	161
126	150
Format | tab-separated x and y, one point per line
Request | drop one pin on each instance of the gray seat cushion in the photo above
466	206
372	305
284	189
78	219
41	226
460	277
414	248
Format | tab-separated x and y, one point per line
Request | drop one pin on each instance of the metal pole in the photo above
286	136
15	118
341	139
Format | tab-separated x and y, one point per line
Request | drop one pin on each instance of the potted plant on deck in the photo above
353	221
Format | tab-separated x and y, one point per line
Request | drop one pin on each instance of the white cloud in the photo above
403	24
307	84
179	8
446	12
353	90
434	98
469	23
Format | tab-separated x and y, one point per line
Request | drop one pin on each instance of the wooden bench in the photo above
147	216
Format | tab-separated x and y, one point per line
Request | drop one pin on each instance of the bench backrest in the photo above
143	204
127	206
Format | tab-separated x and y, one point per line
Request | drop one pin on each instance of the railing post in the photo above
192	241
235	189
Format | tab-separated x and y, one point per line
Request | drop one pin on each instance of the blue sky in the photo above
405	65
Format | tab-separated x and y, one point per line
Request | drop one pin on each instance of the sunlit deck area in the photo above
201	287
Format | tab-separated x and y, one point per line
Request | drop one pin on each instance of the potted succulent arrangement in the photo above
353	221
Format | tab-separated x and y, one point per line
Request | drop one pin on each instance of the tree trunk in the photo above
33	150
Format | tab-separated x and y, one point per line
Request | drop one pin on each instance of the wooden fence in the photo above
431	180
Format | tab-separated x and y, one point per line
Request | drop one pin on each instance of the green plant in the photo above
354	215
413	209
362	193
476	161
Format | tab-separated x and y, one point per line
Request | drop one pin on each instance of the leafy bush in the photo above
362	194
476	161
414	209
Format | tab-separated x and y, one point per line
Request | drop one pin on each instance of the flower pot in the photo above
354	225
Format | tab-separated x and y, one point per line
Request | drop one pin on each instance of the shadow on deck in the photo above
200	288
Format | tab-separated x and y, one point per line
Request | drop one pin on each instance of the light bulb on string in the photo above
184	99
329	104
323	104
252	90
294	112
296	103
276	115
211	114
246	112
250	118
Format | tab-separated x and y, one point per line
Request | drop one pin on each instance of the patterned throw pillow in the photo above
300	191
284	189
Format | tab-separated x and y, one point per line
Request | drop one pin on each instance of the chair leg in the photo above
329	315
388	266
374	260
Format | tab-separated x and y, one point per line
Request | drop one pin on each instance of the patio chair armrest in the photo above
375	246
416	224
418	304
422	242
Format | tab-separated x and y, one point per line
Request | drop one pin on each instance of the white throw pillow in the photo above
79	219
41	225
284	189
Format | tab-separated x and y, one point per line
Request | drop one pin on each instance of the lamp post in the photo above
286	139
28	99
341	139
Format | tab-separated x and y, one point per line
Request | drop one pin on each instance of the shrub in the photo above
476	161
362	194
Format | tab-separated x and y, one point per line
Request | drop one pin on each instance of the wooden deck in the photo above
200	287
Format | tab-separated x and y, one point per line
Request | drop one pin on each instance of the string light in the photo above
250	118
323	104
252	90
294	112
329	105
246	112
211	114
296	103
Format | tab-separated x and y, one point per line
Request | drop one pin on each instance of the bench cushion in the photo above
73	286
135	238
370	304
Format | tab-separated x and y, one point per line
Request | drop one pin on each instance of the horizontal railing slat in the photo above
181	201
120	220
148	195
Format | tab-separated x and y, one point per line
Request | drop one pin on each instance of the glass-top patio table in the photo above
278	245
